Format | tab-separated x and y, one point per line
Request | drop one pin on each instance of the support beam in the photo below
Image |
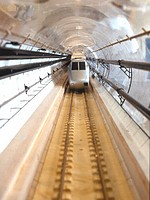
145	111
12	53
128	64
125	63
18	69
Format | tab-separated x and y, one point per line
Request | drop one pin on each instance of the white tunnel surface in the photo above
66	24
82	27
85	26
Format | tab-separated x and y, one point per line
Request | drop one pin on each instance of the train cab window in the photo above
74	65
81	65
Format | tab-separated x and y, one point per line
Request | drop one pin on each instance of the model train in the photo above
78	74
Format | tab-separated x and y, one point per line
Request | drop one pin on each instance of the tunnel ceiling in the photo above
72	25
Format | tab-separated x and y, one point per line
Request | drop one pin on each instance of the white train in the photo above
78	74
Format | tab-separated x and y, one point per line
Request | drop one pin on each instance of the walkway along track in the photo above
80	161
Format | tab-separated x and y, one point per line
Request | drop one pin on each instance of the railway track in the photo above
80	162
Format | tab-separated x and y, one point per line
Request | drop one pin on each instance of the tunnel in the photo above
61	143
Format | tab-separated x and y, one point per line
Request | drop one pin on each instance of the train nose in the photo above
85	83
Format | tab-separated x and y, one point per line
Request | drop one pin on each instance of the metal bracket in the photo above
122	99
105	67
128	73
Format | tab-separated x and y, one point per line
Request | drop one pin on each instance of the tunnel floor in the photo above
80	161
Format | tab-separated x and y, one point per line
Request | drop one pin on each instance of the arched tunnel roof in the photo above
38	41
86	27
71	24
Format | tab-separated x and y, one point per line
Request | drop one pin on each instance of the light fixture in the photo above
79	27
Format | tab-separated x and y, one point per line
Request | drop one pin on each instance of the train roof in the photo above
78	60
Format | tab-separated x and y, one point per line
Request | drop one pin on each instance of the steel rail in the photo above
128	64
64	163
95	145
145	111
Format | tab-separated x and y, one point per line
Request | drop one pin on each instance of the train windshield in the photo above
81	65
74	65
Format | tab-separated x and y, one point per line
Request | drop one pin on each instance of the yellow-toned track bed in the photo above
80	161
